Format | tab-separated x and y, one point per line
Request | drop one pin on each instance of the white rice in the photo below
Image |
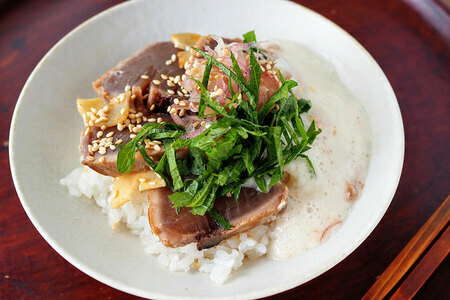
218	261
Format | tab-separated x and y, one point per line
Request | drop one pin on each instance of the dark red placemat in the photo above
410	41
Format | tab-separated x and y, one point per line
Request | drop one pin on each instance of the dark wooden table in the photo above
410	42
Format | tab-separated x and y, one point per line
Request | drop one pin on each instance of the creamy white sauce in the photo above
317	206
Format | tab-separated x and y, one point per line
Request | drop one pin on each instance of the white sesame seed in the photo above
171	78
183	77
132	136
119	127
152	183
157	142
90	158
181	112
143	76
102	150
164	76
177	79
156	81
101	159
179	93
170	83
99	134
173	57
176	101
118	142
144	118
159	120
173	111
157	147
127	88
151	120
122	111
136	129
133	97
169	108
112	147
182	103
110	134
168	62
171	92
106	108
142	179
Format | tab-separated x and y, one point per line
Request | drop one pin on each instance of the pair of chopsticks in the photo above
425	239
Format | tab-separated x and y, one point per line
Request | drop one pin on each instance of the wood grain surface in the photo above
409	39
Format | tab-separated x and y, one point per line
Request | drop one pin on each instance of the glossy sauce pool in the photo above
318	205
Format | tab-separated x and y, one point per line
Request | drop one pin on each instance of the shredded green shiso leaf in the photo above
244	143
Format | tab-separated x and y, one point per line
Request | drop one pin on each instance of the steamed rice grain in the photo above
218	261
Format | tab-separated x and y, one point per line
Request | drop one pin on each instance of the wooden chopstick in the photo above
409	255
424	269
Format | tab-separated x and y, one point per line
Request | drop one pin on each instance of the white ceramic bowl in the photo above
46	126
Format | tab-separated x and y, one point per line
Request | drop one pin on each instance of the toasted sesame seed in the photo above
181	112
196	124
180	94
90	158
173	111
152	107
164	76
133	97
157	147
138	120
159	120
101	159
144	118
99	134
157	142
106	108
127	88
119	141
240	97
143	76
170	83
136	129
171	92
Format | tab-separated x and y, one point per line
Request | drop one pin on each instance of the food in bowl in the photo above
206	149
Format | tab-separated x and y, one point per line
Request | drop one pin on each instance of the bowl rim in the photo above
145	293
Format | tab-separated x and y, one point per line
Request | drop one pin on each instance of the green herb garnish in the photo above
243	144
